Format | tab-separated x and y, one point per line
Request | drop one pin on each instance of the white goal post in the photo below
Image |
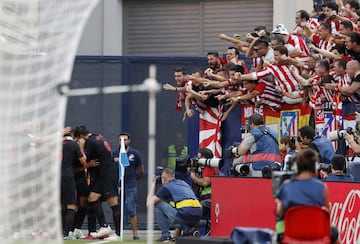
38	43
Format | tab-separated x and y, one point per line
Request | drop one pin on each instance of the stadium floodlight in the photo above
38	43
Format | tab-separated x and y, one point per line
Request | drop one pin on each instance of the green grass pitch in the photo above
104	242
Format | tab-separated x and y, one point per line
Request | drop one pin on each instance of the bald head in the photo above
352	67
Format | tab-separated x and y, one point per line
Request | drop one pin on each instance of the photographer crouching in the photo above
258	152
203	180
175	204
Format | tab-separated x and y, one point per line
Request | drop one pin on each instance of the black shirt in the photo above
71	152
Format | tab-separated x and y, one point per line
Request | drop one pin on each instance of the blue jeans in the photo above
165	216
130	203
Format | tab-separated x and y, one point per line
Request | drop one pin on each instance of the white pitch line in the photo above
99	242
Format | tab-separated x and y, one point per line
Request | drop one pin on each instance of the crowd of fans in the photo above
317	63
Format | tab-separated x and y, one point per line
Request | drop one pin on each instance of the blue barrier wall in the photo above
112	113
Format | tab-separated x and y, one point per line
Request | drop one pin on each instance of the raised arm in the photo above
241	45
325	53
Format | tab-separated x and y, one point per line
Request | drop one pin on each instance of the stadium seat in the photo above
354	170
307	224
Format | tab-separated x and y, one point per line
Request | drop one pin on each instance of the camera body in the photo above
268	170
158	173
231	152
278	178
324	167
339	134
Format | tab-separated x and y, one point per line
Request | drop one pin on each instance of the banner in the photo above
209	129
285	122
248	202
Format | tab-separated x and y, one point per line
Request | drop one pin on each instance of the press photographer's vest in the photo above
267	148
172	155
325	148
183	196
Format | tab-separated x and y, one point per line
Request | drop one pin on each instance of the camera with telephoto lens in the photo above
158	173
268	170
241	169
278	178
339	134
211	162
231	152
184	164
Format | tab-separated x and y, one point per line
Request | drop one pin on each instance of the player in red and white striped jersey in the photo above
323	39
260	93
303	16
280	73
340	76
332	17
300	49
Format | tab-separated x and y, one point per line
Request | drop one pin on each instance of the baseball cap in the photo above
265	39
280	29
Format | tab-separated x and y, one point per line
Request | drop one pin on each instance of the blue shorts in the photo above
131	200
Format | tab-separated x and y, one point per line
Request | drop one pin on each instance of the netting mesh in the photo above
38	41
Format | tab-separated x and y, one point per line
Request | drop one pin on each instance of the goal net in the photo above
38	42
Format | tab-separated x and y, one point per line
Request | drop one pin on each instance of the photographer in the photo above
320	144
259	149
175	204
288	147
352	139
338	165
303	190
204	180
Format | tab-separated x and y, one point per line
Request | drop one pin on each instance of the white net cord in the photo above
38	43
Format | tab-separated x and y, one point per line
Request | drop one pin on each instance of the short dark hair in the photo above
304	14
124	134
340	48
216	54
236	50
256	119
321	17
180	69
324	63
279	39
290	140
353	4
341	62
262	39
81	130
306	160
347	24
206	152
260	27
235	67
338	162
332	5
326	26
282	50
307	131
354	37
